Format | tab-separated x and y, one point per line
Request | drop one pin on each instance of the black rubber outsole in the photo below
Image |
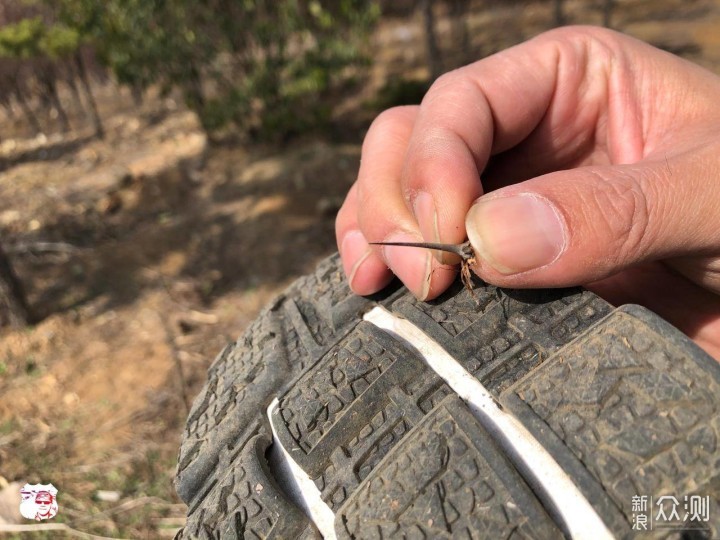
624	403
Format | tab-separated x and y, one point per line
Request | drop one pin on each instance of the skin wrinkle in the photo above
602	57
647	112
656	179
639	236
691	167
625	138
436	143
397	221
708	277
629	228
586	90
614	124
658	131
708	167
427	280
677	106
357	265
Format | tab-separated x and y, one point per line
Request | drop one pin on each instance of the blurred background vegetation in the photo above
262	67
166	168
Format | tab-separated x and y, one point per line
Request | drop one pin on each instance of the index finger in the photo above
491	106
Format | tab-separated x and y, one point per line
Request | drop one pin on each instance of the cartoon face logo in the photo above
38	501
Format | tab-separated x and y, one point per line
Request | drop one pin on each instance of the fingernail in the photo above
355	251
412	265
426	214
516	234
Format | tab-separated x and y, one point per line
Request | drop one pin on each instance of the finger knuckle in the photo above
389	125
441	85
579	35
450	86
596	49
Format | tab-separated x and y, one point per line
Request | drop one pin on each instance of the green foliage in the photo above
21	40
32	38
263	66
60	41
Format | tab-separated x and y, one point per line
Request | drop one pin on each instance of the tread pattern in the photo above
246	503
637	409
500	335
447	480
342	417
625	404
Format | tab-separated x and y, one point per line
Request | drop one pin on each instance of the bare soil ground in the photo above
146	252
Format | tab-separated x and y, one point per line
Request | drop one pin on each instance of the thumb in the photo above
577	226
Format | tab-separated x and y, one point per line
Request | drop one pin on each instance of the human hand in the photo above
600	160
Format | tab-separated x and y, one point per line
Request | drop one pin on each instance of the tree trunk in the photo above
50	84
196	94
14	309
29	114
607	13
433	51
559	14
458	12
137	94
82	72
6	102
75	91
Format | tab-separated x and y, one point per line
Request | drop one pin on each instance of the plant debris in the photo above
465	251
